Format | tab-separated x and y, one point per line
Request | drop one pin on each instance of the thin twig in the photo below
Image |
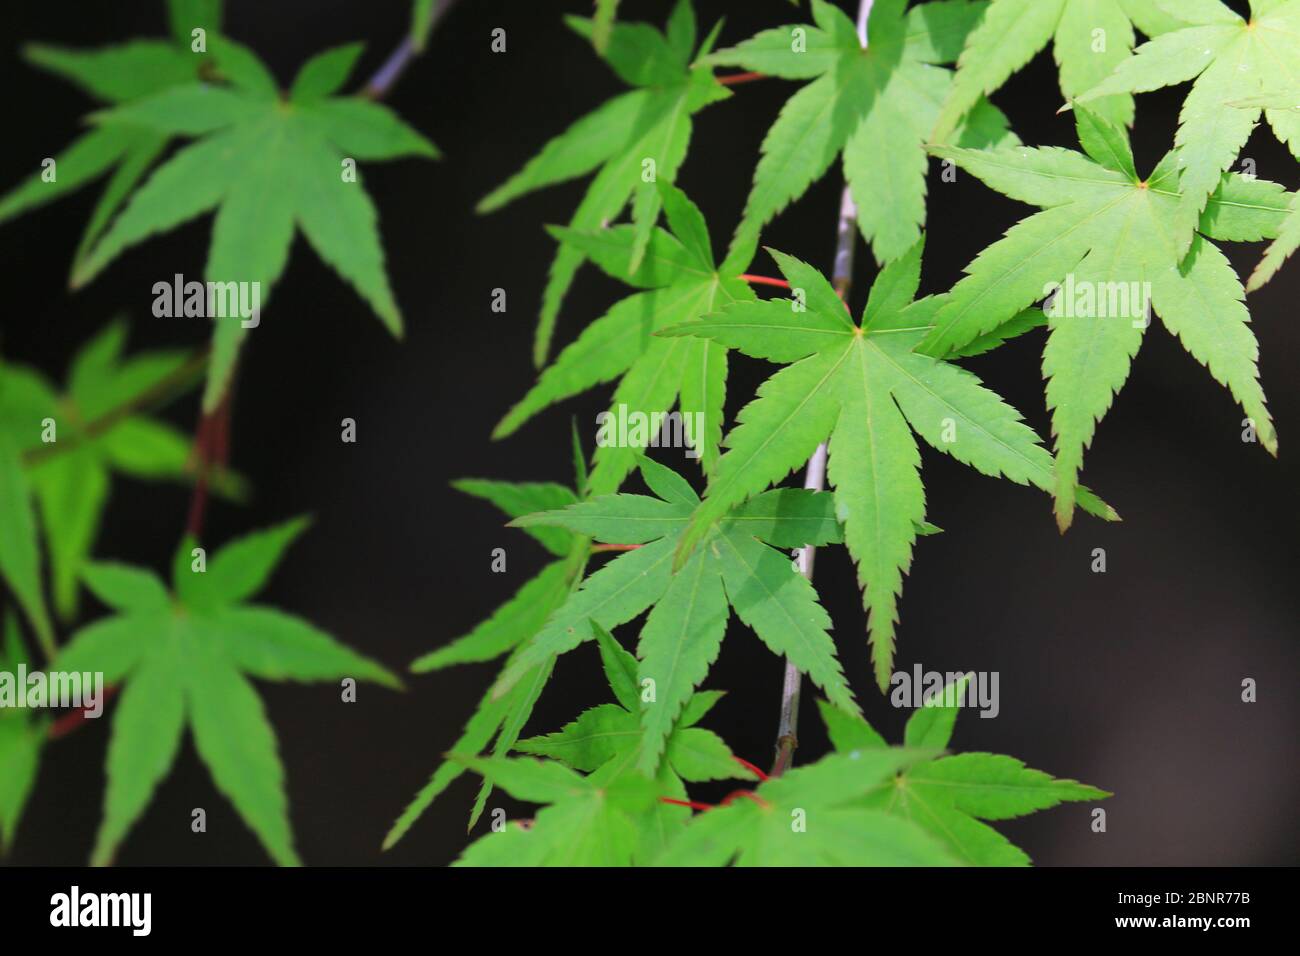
385	78
765	280
787	735
75	718
211	453
693	804
735	78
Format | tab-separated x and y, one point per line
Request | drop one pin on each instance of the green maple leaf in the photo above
1229	59
1105	228
268	165
22	735
498	722
1089	37
612	732
114	75
608	737
185	659
736	567
1288	236
812	816
618	141
519	617
1285	246
20	550
71	484
948	796
861	386
603	23
680	282
588	821
875	105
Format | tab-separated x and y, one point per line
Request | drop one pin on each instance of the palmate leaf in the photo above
498	722
589	821
948	796
20	551
607	739
1288	241
1089	38
1106	233
70	477
114	74
611	817
733	569
268	166
876	106
618	141
186	659
22	735
863	388
813	816
1229	61
680	282
1288	236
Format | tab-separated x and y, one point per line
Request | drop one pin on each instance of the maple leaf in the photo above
812	816
22	735
1229	59
861	386
113	75
1089	38
608	737
1288	236
736	567
268	164
92	441
647	128
498	722
680	282
20	551
1103	228
185	659
875	105
948	796
603	23
1285	246
589	821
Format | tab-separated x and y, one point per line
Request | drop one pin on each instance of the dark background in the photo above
1129	680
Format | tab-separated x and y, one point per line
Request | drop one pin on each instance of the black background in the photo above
1129	680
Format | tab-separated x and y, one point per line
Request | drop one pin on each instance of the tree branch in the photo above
211	453
386	77
787	734
735	78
